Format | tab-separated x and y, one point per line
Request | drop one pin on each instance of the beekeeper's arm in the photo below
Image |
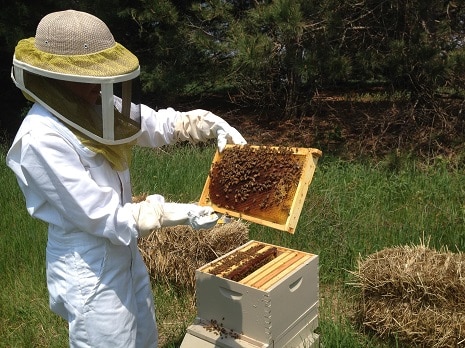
60	191
154	212
168	126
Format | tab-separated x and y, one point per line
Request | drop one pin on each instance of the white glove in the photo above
200	125
193	215
153	213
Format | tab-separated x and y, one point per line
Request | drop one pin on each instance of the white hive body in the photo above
273	305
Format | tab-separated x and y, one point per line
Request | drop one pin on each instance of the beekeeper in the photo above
71	157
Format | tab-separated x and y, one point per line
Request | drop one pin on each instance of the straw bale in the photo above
172	254
415	293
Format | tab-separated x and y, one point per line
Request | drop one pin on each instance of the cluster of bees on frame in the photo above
248	178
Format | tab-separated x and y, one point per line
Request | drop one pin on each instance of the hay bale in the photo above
172	254
414	293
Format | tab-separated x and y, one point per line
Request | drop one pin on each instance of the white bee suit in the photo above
71	157
95	274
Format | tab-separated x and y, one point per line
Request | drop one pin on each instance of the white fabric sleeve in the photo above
60	191
157	127
168	126
200	125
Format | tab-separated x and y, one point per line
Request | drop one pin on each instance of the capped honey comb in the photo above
266	185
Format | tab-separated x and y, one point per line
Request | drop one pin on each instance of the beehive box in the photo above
269	306
265	185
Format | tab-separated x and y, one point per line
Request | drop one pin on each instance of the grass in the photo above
352	209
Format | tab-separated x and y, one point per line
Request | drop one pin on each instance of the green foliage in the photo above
274	55
407	41
156	43
455	66
270	60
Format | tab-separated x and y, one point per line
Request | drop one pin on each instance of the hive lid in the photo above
261	184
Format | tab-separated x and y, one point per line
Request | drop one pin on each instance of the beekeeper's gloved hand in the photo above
153	213
201	125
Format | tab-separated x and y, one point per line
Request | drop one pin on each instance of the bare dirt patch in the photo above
351	127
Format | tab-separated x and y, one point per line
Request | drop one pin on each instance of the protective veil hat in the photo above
78	47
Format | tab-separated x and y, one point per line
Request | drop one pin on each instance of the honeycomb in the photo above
257	181
256	264
244	262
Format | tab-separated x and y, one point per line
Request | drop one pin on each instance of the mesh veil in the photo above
78	47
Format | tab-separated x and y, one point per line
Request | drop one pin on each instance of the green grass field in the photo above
352	209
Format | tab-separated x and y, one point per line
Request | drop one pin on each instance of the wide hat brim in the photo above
113	61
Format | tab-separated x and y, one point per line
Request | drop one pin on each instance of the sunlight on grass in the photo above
352	209
175	312
178	172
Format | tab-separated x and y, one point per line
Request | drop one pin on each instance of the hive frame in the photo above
311	156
